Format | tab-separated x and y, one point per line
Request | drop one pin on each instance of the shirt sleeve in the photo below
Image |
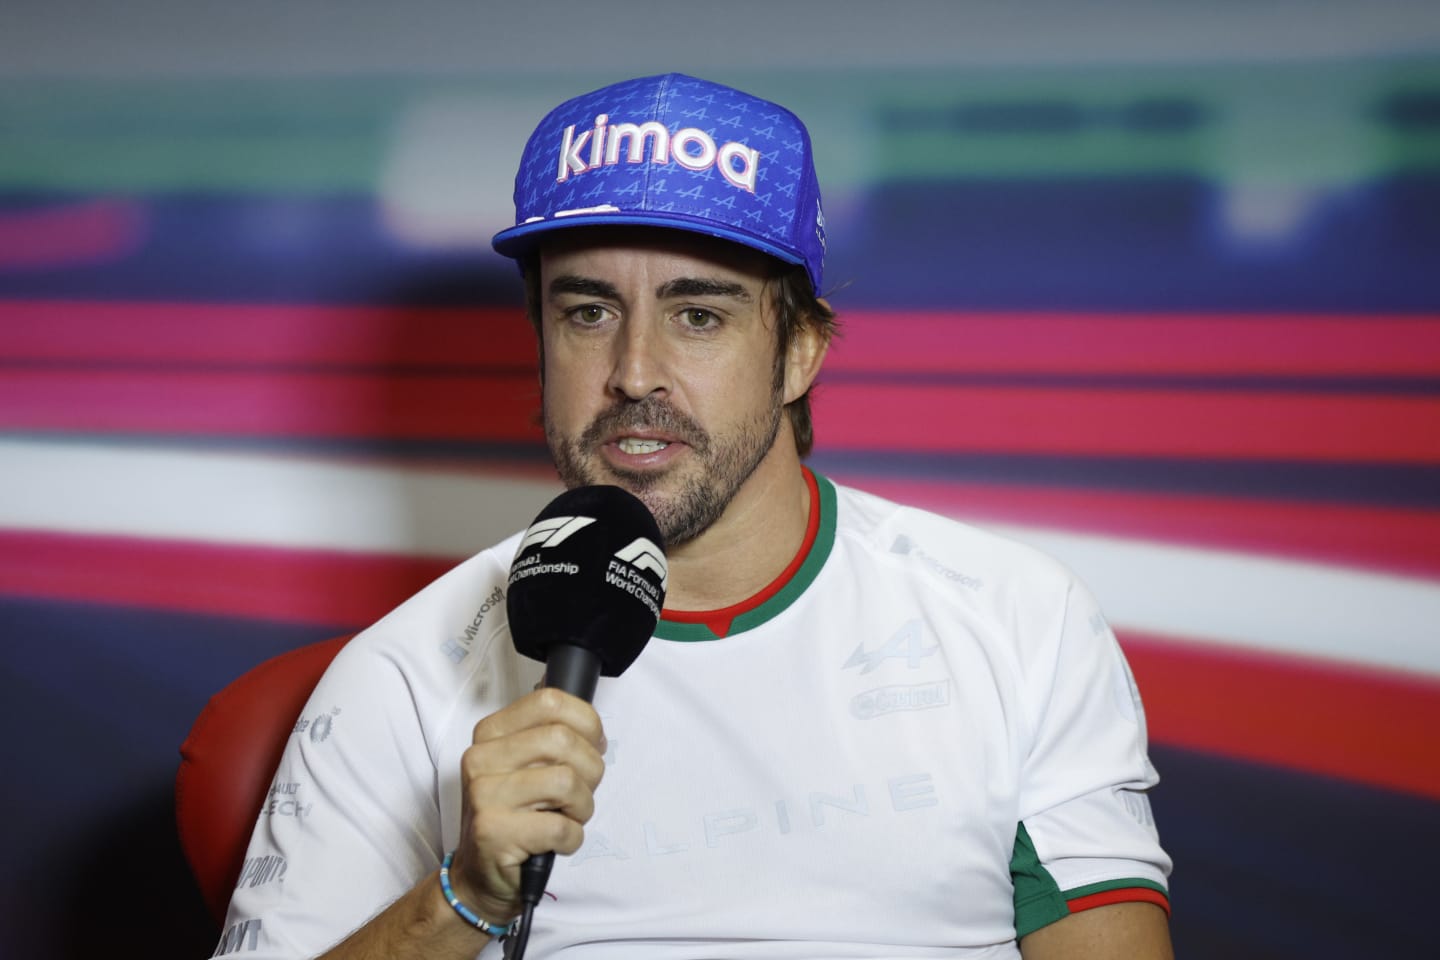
1086	835
350	822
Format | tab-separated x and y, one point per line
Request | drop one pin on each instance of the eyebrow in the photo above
584	286
702	287
679	287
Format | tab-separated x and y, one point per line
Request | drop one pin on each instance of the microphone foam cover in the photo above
590	572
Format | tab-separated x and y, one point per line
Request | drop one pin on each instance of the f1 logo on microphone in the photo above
642	554
554	531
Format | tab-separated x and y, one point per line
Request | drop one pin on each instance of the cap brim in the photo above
522	240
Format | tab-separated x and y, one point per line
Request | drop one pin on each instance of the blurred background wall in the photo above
1153	286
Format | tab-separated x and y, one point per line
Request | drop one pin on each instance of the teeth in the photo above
632	445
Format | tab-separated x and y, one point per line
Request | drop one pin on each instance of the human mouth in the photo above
637	446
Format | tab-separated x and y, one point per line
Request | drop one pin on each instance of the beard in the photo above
706	486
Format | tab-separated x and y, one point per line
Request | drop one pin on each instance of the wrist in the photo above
490	923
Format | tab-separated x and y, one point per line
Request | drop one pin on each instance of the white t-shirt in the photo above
922	741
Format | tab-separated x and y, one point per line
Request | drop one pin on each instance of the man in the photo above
860	731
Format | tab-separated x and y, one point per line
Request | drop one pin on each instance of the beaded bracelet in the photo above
466	914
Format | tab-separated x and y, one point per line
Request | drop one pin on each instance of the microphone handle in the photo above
575	670
534	875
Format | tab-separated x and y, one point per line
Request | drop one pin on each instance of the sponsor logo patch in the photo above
458	647
607	144
244	935
908	644
893	699
258	871
906	547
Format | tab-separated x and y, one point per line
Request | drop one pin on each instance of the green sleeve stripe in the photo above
1039	901
1108	885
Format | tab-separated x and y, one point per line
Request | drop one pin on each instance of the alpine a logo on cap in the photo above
691	147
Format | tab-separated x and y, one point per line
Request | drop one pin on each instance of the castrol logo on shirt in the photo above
607	144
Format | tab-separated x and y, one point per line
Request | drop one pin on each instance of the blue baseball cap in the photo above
672	151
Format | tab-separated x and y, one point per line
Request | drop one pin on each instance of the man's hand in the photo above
527	786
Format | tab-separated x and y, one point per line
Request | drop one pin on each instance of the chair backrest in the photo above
228	762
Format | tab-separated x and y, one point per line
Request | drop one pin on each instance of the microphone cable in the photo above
515	946
534	873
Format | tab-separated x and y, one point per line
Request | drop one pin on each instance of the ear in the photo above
804	357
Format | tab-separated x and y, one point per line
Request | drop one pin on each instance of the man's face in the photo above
661	372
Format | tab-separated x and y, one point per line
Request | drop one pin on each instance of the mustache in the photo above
652	414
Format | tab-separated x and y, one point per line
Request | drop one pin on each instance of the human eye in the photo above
698	319
588	314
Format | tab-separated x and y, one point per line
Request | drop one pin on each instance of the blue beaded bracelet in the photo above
466	914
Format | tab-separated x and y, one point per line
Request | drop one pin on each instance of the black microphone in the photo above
585	593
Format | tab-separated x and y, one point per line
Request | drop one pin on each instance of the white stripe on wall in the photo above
1208	595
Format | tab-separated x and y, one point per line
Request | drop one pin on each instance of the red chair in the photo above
228	762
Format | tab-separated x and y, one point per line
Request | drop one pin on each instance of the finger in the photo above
520	781
551	745
509	818
538	708
510	835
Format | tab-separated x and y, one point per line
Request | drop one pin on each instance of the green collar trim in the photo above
788	594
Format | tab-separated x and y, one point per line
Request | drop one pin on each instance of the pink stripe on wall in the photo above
933	419
262	403
468	374
1134	423
1152	344
70	233
875	341
180	334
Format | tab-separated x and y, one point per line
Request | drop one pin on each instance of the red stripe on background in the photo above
1079	422
251	334
299	586
1148	423
959	419
1155	344
874	341
1395	539
320	405
1358	723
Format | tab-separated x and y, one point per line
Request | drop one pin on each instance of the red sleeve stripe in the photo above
1123	895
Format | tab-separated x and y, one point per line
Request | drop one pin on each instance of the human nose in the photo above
639	368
